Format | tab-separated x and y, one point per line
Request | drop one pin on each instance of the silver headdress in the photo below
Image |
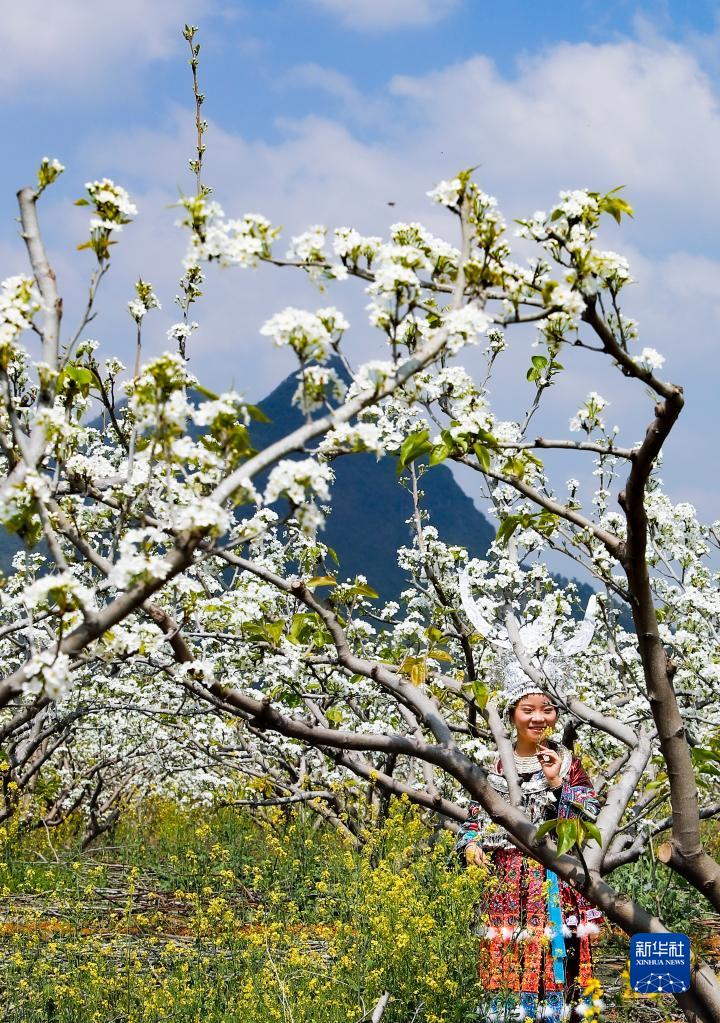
555	666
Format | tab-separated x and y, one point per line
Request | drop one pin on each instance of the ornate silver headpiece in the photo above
554	666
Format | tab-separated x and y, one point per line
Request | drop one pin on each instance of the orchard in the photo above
174	628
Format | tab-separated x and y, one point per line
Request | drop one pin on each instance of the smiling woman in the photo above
534	958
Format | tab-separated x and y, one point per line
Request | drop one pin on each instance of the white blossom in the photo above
181	331
464	326
112	204
19	301
317	385
49	673
650	358
295	479
446	193
309	246
588	416
203	514
310	335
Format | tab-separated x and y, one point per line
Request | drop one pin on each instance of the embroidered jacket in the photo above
539	803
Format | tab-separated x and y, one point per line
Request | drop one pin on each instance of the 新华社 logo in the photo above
660	963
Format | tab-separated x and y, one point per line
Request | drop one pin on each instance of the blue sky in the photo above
323	111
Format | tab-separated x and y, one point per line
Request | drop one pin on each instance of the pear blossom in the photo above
650	358
464	326
19	301
48	172
310	335
446	193
316	385
181	331
295	480
113	206
204	515
588	416
308	246
49	674
351	247
62	589
145	301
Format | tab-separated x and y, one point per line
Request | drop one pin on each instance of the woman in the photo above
534	955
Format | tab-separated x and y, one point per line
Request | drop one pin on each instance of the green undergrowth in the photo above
201	914
190	915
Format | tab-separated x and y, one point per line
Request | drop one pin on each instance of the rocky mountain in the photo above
370	507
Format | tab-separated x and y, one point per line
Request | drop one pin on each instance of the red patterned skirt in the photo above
515	954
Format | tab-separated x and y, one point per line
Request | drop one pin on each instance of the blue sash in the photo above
555	920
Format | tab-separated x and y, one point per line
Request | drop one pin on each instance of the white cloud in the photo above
628	113
355	106
621	113
72	44
322	79
383	15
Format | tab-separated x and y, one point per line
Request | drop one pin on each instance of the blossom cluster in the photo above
113	206
19	301
48	172
234	242
312	336
164	470
588	416
145	301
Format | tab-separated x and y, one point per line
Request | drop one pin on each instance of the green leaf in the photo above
481	693
418	673
412	447
333	555
514	466
567	832
539	361
415	667
613	204
263	632
546	523
546	828
302	627
440	655
321	580
487	440
334	715
483	456
593	831
84	379
210	395
439	453
363	590
507	527
79	374
257	414
274	631
291	699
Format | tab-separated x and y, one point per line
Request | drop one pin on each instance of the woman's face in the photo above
532	715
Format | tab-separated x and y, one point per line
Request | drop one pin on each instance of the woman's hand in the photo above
550	763
475	855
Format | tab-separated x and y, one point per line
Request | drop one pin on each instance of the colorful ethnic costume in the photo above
534	957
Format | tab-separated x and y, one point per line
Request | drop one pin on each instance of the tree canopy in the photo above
180	633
